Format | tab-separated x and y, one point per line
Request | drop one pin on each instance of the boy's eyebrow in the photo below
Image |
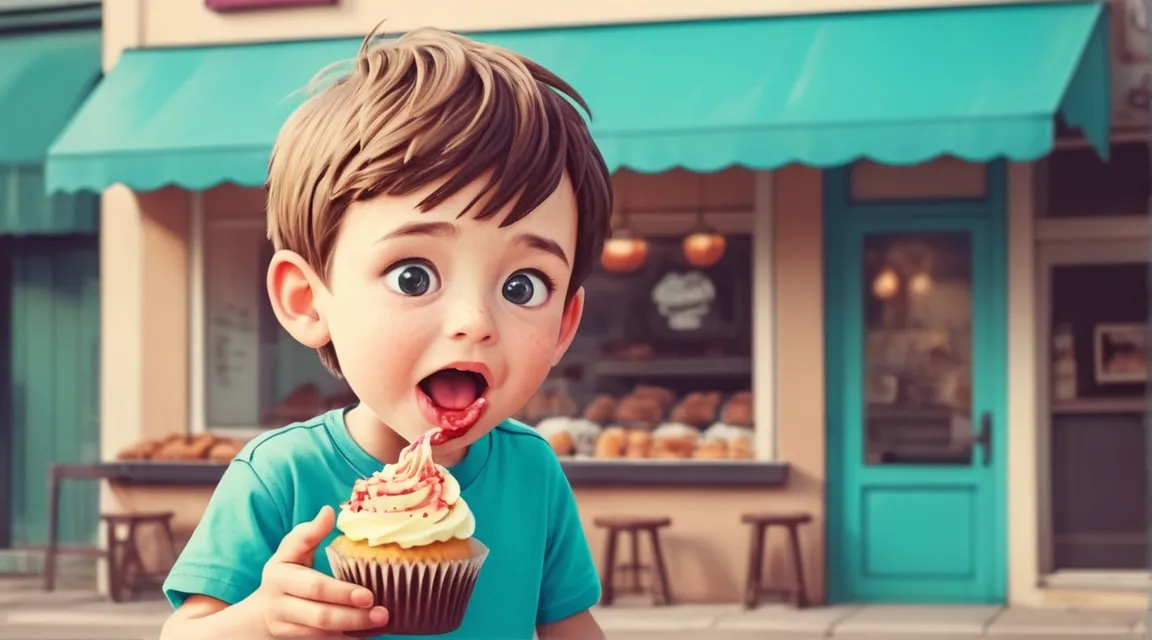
541	243
436	229
449	230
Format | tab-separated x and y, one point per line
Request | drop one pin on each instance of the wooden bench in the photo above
761	523
657	571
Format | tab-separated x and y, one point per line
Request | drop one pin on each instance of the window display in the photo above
661	367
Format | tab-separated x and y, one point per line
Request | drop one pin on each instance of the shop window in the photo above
1098	381
661	367
1078	183
255	374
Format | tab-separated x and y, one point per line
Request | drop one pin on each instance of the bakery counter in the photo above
581	473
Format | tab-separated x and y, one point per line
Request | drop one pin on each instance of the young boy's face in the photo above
411	294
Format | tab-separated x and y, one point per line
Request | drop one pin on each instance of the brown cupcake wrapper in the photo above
422	598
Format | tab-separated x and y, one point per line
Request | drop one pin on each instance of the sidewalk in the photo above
27	613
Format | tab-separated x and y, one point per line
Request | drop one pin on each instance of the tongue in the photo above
452	389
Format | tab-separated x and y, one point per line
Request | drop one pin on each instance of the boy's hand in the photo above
301	602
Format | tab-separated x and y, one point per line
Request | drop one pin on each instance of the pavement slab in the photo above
916	621
1065	623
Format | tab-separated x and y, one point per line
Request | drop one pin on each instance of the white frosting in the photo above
411	504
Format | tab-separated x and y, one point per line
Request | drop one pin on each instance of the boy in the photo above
435	213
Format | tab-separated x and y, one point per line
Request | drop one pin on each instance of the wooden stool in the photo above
760	525
632	527
125	567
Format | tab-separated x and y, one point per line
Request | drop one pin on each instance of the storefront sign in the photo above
1131	69
684	299
247	5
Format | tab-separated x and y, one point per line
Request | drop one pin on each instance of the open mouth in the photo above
452	389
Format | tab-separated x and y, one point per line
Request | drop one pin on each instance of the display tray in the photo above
581	473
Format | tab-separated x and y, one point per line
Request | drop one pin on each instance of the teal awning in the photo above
897	87
44	78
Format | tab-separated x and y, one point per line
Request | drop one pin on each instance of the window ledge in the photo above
675	473
1118	580
581	473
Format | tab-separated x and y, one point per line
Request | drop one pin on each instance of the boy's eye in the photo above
412	279
527	289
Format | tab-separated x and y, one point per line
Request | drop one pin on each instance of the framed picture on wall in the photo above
1120	353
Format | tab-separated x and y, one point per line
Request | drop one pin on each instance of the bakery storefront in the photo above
697	386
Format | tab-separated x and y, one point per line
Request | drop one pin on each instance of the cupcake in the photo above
407	537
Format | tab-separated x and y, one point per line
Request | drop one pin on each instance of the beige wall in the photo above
154	23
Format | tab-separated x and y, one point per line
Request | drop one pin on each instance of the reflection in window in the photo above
917	348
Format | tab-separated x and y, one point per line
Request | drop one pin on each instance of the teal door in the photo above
49	400
916	367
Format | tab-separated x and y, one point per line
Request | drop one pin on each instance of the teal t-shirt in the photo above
539	568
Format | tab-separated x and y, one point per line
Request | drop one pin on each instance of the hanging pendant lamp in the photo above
704	246
625	251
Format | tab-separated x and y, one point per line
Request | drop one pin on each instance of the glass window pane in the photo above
661	368
917	348
1081	184
256	375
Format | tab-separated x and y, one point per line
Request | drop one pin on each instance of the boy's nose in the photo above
471	322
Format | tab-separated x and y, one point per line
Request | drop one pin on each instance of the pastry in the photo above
638	444
422	569
674	441
738	410
611	443
739	440
660	394
174	449
549	427
602	409
711	450
225	450
639	410
562	443
584	433
199	446
742	447
697	409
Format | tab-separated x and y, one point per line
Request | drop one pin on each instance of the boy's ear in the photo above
293	288
573	312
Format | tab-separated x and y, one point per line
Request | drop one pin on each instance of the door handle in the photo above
984	436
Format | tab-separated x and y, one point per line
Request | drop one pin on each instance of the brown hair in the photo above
434	106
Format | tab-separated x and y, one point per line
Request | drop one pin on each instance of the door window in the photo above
917	348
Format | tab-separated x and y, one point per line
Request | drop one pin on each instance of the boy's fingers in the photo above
331	617
309	584
300	543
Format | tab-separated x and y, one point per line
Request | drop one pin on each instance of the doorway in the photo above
49	400
916	396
